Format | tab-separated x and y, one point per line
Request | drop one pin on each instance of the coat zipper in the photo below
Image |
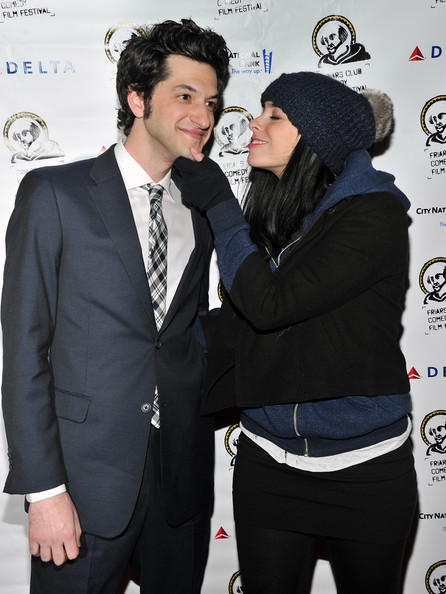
296	430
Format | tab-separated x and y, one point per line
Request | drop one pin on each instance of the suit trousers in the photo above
169	559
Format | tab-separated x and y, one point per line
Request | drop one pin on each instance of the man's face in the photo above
24	137
439	121
182	109
436	277
439	433
330	38
440	583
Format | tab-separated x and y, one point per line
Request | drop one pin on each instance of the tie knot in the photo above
155	197
155	192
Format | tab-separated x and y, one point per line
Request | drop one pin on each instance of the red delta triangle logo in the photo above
416	55
413	374
221	534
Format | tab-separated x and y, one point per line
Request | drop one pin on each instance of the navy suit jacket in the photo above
82	354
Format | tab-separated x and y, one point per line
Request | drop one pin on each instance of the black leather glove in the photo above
204	184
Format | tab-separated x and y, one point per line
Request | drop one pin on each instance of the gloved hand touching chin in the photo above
205	186
204	183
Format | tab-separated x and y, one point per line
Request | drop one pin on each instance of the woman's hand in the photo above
204	184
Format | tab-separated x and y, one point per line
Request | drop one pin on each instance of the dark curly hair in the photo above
142	64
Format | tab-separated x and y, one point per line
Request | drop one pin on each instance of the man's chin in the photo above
185	151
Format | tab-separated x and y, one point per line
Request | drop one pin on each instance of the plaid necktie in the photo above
157	268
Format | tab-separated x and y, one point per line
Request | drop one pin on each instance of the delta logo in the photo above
431	371
413	374
418	56
221	534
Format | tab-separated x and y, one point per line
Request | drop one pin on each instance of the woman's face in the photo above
274	138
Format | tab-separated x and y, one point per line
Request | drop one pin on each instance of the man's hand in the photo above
54	529
204	183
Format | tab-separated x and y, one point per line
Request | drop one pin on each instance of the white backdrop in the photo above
57	69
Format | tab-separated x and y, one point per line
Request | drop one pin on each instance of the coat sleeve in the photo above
360	243
28	311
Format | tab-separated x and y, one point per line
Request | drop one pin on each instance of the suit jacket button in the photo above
158	344
146	407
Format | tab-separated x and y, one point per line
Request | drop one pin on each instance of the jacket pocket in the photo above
70	406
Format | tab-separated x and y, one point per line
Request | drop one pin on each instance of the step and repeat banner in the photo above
57	104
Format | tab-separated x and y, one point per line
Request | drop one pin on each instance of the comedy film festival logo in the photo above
432	281
14	9
26	136
334	41
239	7
436	578
116	38
433	433
235	584
232	437
232	135
433	124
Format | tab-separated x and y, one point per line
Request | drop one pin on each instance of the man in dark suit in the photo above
86	365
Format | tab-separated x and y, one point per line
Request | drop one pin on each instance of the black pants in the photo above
364	512
171	560
277	561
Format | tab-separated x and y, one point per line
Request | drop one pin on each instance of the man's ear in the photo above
135	101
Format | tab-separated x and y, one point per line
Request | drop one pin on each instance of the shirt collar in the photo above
133	175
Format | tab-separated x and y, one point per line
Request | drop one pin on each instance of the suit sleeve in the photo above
28	313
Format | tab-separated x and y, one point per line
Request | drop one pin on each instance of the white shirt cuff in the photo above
33	497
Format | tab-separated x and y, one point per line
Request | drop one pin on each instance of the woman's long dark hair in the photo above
276	208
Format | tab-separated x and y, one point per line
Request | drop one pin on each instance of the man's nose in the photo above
202	116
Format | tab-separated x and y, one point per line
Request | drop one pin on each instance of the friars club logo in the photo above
433	121
436	578
432	281
235	584
433	433
232	133
26	136
334	41
116	37
433	124
232	437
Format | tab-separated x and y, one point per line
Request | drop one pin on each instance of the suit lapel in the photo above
110	197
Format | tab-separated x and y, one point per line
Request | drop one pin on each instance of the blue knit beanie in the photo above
333	119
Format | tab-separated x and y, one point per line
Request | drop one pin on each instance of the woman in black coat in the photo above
307	340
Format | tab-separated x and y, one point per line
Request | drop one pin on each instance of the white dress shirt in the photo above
180	233
181	240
